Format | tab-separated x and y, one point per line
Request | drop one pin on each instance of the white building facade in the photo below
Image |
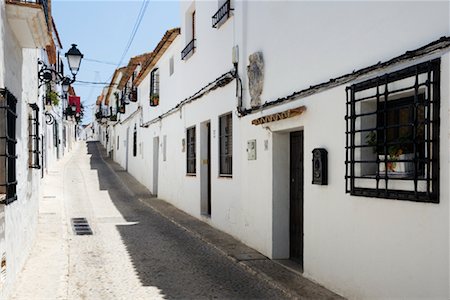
228	116
27	36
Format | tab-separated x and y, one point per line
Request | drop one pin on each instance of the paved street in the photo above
134	253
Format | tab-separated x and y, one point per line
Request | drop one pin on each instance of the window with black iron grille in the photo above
33	137
222	14
393	135
154	88
226	144
191	153
8	116
134	141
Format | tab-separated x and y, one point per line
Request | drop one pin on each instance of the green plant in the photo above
53	98
371	140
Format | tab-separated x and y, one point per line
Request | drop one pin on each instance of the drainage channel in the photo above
81	226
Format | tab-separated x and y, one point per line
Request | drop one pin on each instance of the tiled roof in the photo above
159	50
132	64
112	84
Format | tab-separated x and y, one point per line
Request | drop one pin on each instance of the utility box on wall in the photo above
320	166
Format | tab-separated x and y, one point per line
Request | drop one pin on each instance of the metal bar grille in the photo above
8	143
222	14
226	144
34	138
190	47
392	135
190	153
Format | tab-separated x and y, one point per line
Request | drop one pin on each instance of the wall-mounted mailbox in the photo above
320	166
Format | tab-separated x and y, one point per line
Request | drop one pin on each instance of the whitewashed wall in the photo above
358	247
19	219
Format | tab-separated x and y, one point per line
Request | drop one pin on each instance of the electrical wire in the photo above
135	29
99	61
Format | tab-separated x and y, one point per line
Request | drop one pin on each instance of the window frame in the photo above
135	141
425	79
154	87
226	170
33	137
9	185
191	156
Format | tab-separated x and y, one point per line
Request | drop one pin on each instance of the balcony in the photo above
30	22
222	14
188	50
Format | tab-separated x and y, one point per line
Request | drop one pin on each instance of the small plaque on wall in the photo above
320	166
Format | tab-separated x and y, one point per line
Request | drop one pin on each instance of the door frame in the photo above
127	144
205	168
155	165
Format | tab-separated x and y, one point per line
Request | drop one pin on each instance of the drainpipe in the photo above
235	60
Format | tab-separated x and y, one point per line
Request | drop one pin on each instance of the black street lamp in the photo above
47	75
74	57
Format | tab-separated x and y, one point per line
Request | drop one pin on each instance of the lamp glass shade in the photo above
65	84
74	57
74	107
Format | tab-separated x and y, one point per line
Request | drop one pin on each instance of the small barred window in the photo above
33	137
191	151
8	157
393	135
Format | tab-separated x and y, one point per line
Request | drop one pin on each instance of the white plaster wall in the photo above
307	43
21	216
358	247
364	247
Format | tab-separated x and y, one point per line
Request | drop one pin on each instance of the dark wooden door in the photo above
296	197
208	128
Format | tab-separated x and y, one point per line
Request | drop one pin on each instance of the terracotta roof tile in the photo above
159	50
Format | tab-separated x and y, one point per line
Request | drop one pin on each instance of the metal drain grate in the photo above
81	226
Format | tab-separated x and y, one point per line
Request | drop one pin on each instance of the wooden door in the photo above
208	128
296	197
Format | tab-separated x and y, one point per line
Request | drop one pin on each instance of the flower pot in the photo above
395	167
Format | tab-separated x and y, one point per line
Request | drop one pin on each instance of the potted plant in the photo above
154	100
399	162
52	98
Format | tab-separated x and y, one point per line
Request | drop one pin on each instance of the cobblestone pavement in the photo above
134	253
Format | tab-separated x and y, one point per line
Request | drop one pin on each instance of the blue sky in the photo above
101	29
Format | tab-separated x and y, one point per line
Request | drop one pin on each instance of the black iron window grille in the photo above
33	137
226	145
392	135
55	134
154	88
190	48
134	141
222	14
191	151
8	157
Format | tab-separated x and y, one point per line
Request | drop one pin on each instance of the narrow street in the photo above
134	252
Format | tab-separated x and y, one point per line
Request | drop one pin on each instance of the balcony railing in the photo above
188	49
222	14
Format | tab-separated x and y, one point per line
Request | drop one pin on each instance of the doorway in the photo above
155	165
205	168
127	143
296	197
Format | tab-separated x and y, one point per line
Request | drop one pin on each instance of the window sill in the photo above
191	175
225	176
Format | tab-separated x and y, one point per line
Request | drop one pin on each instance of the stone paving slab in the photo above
285	279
